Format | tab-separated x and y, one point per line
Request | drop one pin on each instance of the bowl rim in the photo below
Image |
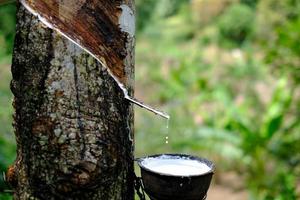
210	164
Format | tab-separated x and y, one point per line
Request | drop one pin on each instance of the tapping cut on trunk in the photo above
102	28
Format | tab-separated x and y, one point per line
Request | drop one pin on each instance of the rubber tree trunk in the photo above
74	129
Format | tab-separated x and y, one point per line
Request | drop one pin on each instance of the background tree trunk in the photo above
74	128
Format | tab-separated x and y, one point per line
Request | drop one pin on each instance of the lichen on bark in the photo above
72	124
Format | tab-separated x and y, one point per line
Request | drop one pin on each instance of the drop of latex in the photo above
167	137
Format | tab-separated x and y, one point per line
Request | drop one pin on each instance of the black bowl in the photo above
160	186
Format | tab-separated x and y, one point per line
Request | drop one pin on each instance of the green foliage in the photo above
278	27
7	28
5	196
144	12
7	142
284	52
257	151
236	24
251	3
167	8
223	103
153	10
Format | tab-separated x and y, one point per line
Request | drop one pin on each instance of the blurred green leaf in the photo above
281	101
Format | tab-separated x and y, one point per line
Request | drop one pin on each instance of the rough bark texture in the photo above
73	126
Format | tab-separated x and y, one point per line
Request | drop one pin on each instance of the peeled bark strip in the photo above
72	124
92	24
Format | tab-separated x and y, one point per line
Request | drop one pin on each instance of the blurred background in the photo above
227	72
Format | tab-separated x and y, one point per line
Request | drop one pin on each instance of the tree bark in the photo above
74	129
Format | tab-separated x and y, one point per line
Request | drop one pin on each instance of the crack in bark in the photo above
79	120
